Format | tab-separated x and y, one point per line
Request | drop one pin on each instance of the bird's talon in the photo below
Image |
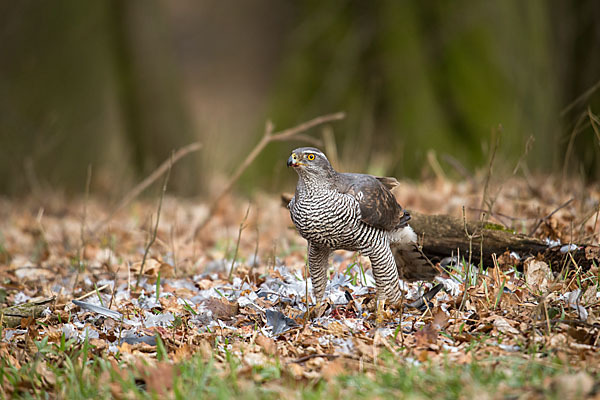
317	310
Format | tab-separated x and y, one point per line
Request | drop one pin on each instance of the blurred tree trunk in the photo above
81	80
414	76
576	36
56	94
152	101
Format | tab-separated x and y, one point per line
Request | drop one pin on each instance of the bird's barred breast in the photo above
333	220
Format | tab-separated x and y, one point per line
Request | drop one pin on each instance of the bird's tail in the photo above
412	264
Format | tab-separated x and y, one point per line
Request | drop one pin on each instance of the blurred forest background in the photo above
120	84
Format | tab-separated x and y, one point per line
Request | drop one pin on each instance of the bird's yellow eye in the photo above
310	157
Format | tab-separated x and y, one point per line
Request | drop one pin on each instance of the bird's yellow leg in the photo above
315	311
380	307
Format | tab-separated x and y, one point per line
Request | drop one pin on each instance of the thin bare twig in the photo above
88	294
237	245
580	125
85	204
113	292
468	269
435	166
150	179
582	97
461	169
255	259
497	133
594	121
521	162
502	217
155	231
81	248
535	228
268	137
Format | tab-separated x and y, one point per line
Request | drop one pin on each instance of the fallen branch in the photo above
444	234
268	137
13	316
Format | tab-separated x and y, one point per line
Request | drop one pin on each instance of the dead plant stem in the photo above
497	133
155	231
468	267
149	180
81	249
237	245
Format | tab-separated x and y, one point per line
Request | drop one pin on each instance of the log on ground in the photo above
443	235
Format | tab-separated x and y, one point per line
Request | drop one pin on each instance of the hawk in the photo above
357	212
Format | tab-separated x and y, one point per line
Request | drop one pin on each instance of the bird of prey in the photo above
357	212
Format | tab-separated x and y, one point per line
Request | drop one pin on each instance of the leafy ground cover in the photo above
135	309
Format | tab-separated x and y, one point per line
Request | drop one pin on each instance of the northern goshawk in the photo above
357	212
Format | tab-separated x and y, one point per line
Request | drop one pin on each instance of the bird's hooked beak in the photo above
294	161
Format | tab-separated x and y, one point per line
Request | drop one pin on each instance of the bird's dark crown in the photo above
308	150
310	161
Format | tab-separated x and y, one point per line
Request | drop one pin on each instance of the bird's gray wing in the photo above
378	206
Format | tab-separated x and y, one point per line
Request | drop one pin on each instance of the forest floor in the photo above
219	312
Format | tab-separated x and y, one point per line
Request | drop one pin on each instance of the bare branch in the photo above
150	179
535	228
268	137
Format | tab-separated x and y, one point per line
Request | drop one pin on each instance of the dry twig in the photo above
237	245
582	97
461	169
541	220
580	125
150	179
497	133
467	282
81	248
155	231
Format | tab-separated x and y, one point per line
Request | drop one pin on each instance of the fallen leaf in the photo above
426	336
537	274
222	308
502	325
267	344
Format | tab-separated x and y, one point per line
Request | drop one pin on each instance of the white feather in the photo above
404	235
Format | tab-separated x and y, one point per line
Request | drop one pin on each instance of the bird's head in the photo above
308	161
